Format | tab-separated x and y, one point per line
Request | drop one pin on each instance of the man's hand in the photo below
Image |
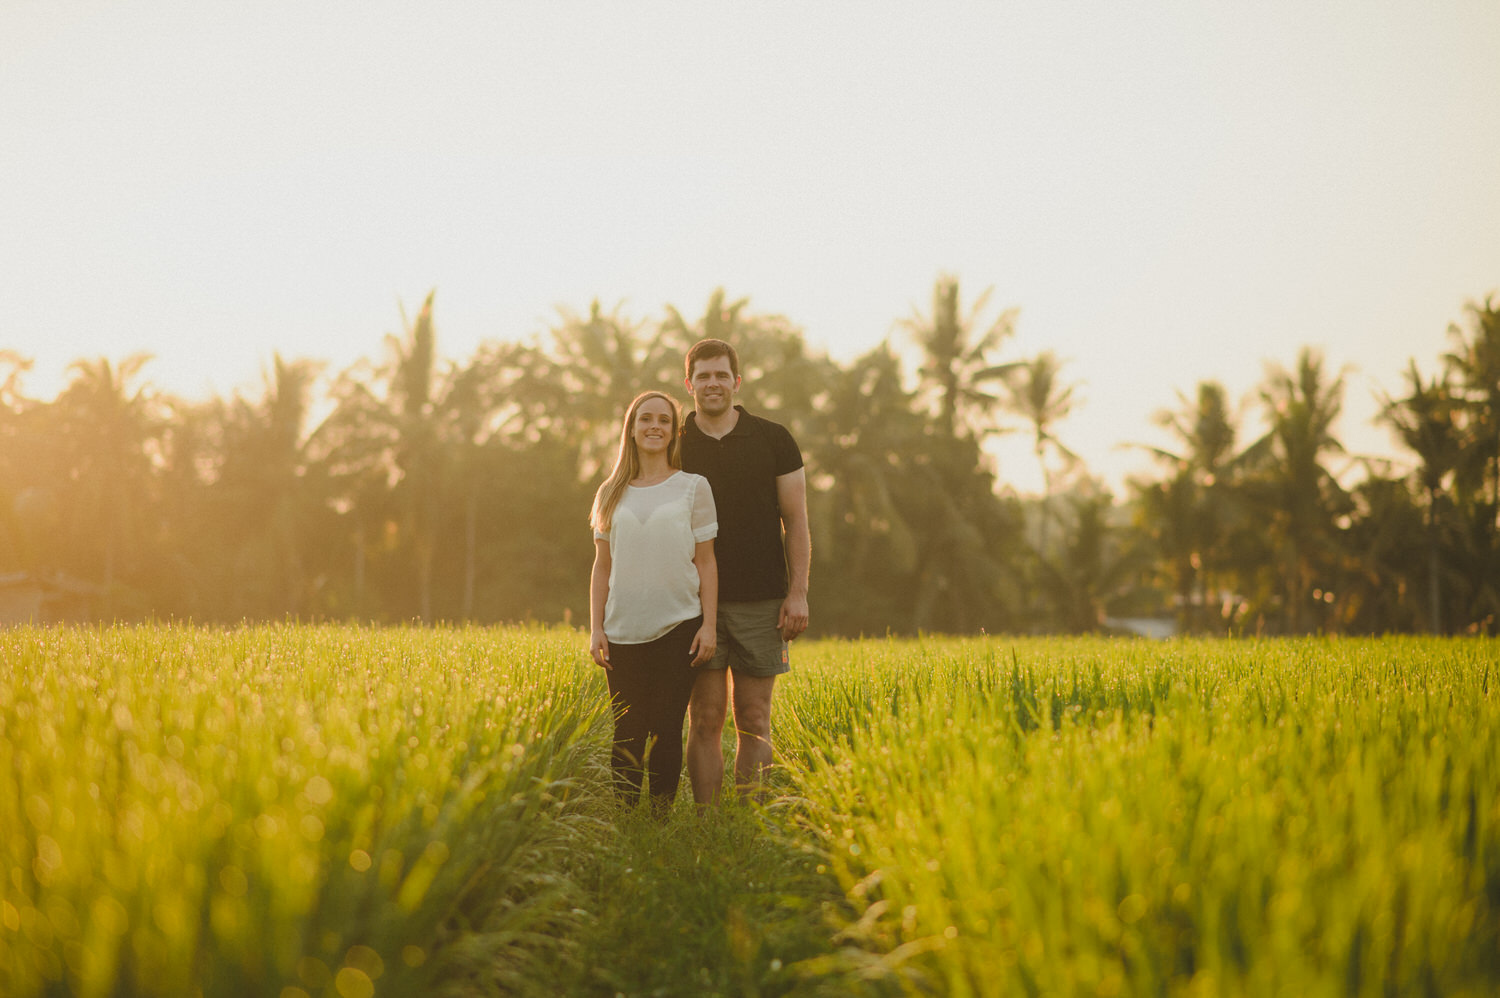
792	620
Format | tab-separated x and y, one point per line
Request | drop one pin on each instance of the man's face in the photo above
713	385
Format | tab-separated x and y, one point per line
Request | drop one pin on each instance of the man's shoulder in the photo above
762	424
781	440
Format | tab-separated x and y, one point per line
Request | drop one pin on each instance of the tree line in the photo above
413	488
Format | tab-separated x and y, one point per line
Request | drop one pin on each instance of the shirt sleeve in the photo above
788	456
705	515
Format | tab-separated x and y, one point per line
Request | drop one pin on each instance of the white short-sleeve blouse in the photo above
653	583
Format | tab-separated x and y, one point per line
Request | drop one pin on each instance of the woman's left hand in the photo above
599	648
705	642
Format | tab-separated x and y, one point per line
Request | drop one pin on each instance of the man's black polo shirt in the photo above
742	468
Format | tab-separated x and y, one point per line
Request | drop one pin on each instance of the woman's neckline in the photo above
651	485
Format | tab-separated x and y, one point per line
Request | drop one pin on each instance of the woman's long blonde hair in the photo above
628	460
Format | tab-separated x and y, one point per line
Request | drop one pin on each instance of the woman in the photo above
653	594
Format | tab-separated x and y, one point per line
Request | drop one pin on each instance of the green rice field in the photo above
296	811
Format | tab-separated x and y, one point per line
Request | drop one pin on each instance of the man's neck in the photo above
718	427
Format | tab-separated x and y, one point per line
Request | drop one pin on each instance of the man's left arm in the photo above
791	493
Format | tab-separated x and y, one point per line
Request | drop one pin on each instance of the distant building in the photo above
1147	627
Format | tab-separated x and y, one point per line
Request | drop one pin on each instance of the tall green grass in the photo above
319	811
1101	817
718	904
289	811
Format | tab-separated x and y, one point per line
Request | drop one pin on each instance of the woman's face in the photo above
653	427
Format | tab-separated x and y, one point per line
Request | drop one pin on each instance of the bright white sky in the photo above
1168	192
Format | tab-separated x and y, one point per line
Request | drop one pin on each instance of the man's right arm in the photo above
791	493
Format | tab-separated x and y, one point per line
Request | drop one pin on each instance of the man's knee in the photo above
706	725
754	720
709	706
752	706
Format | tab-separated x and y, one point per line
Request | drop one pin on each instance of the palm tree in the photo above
1038	394
381	450
418	453
352	451
14	366
1300	498
269	499
956	368
1165	512
437	433
1095	569
1426	420
721	320
910	535
1476	482
1206	428
1388	545
107	422
1476	361
866	548
23	506
1190	511
600	361
192	458
484	404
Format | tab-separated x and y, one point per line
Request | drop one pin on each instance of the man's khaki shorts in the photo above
749	642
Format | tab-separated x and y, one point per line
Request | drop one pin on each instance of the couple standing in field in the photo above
693	595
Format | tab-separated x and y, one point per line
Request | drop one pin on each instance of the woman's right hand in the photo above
704	644
599	648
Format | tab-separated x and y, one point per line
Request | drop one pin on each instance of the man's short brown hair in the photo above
708	350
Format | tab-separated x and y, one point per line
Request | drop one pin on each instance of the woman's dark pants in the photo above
649	686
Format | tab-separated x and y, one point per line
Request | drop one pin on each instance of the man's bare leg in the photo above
705	749
752	723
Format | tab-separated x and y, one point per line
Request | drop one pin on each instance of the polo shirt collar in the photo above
743	425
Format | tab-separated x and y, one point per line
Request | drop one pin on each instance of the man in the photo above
760	490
